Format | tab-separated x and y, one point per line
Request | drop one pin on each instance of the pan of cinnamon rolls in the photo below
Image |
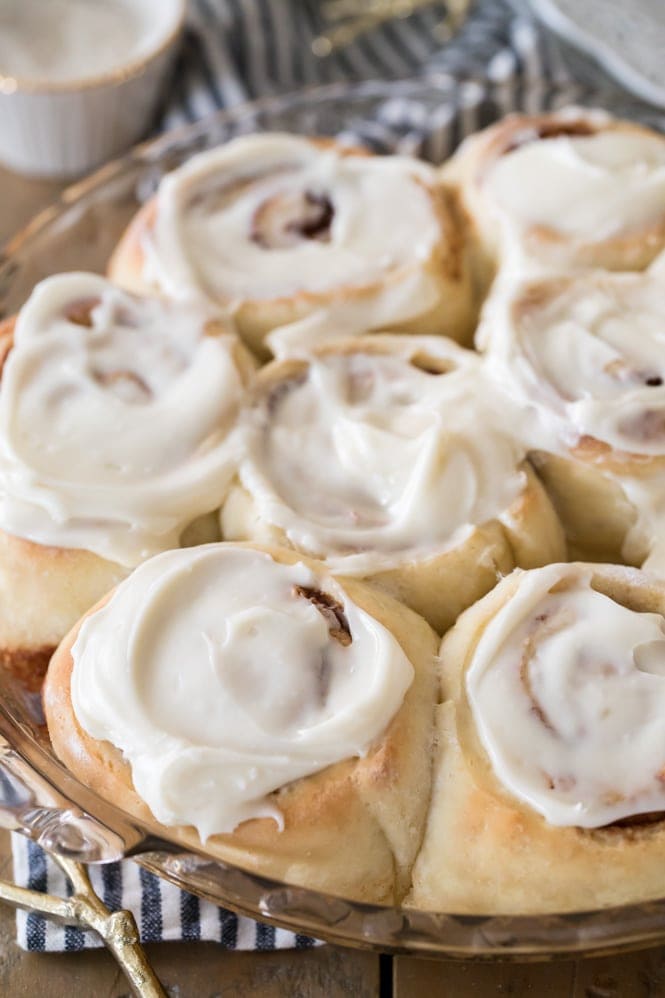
332	518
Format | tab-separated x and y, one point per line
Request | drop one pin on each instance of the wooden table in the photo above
204	970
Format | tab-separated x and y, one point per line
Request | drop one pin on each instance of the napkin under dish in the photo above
162	912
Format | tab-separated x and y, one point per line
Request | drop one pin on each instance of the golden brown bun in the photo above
595	512
352	829
453	315
583	478
43	590
632	249
487	852
527	534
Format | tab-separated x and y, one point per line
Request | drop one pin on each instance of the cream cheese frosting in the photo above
115	413
93	38
567	691
583	358
270	216
588	353
588	187
221	680
366	456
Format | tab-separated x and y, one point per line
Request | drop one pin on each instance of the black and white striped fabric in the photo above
162	911
238	50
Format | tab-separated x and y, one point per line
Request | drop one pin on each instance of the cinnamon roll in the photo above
115	419
549	781
569	189
394	459
281	229
584	356
250	706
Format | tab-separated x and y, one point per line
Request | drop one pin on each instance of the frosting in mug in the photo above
368	456
567	691
221	680
588	187
269	216
94	37
115	414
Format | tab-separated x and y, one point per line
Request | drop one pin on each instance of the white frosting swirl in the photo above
366	457
589	354
567	690
220	682
114	421
269	216
587	187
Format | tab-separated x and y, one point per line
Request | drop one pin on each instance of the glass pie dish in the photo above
38	797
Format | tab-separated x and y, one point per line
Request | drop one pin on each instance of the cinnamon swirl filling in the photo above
567	691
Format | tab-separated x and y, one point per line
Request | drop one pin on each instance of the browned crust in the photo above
596	452
330	811
6	339
546	127
27	665
125	266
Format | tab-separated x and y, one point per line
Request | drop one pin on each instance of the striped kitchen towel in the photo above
238	50
162	911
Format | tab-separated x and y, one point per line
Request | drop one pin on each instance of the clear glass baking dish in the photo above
37	795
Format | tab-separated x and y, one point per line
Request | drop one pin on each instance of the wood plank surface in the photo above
633	975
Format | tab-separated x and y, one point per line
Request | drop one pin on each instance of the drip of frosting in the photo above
365	456
567	691
582	186
221	679
115	415
270	216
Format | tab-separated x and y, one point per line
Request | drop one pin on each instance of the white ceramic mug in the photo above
63	128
